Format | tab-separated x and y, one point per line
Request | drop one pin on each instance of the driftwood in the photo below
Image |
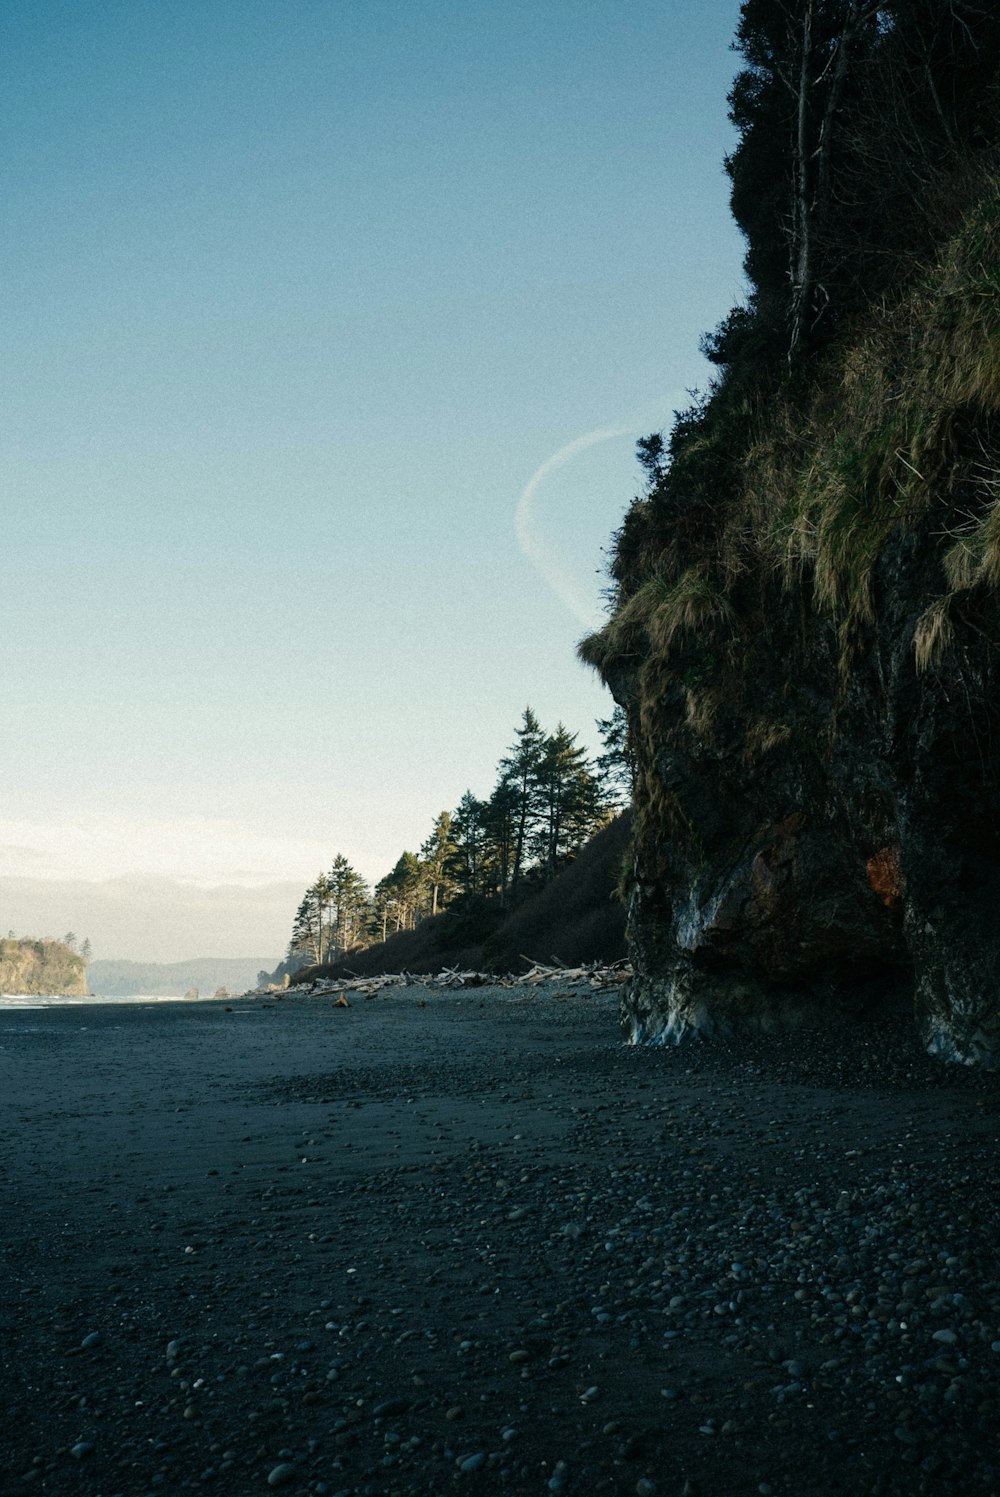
595	976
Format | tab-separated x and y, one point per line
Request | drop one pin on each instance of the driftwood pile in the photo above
594	976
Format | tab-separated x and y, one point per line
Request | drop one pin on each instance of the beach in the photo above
469	1241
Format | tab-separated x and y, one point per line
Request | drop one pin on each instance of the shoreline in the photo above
469	1237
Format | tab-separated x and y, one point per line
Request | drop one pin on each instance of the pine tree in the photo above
320	896
400	891
350	906
520	772
469	830
615	766
501	822
303	946
437	856
573	807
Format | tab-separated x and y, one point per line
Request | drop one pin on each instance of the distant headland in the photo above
206	974
42	967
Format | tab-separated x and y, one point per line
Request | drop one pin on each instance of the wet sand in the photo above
470	1242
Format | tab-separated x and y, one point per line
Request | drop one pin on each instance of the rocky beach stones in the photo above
763	1267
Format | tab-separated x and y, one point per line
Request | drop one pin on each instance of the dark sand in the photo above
438	1243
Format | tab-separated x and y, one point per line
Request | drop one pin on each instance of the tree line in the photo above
549	798
69	939
859	123
865	129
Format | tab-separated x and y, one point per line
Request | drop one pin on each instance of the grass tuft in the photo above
692	604
933	634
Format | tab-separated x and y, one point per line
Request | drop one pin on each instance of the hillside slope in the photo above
576	918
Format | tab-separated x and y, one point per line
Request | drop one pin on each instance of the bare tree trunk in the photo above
554	840
811	199
823	145
801	206
519	845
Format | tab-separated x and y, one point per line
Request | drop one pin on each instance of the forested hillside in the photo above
805	623
576	918
41	967
480	862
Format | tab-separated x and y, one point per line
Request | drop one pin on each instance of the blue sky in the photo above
299	297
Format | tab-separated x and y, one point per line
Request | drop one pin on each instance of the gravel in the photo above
480	1243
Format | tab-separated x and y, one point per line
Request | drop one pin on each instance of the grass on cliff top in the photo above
900	418
658	615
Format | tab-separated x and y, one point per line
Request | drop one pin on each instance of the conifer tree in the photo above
307	928
469	830
501	822
400	890
615	765
350	901
571	798
520	773
437	856
852	116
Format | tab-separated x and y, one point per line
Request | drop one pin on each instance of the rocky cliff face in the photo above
809	662
41	967
826	841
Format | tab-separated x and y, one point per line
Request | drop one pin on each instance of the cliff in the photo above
806	641
41	967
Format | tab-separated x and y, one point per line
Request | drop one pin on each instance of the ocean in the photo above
35	1000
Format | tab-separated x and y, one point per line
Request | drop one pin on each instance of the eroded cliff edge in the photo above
806	642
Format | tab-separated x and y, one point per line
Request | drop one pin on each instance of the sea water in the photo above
55	1000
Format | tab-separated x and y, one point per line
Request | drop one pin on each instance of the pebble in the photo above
391	1408
281	1475
855	1299
93	1339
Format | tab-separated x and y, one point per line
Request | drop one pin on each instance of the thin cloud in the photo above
192	849
539	551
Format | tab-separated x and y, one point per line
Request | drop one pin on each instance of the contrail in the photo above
530	539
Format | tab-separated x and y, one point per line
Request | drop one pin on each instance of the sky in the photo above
329	327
